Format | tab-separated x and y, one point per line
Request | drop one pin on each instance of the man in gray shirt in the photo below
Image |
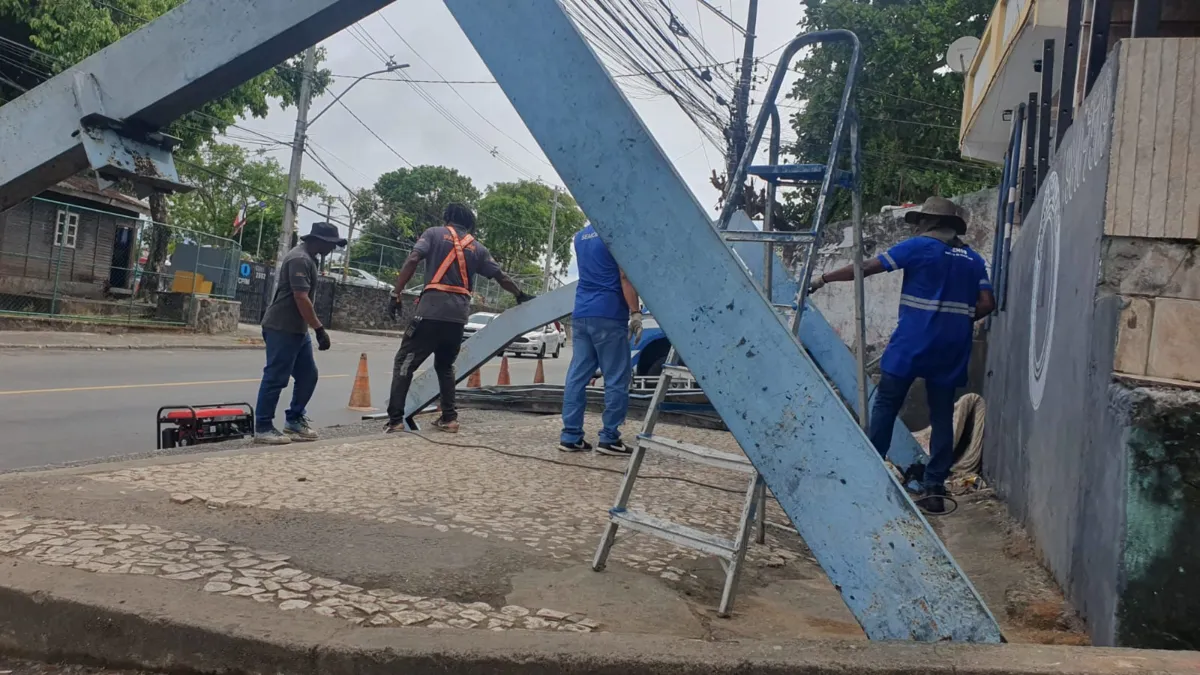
452	259
289	347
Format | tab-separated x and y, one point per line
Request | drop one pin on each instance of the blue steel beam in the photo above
185	58
822	342
891	569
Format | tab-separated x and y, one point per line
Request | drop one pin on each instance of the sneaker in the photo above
448	426
615	449
578	446
300	430
397	428
932	500
271	437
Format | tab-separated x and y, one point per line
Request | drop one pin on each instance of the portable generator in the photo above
183	425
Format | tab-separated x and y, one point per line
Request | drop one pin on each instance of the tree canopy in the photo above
214	205
514	223
420	195
909	104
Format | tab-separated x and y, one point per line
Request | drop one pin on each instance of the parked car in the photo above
357	277
539	342
476	322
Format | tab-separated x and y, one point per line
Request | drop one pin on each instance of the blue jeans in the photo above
604	344
889	398
289	355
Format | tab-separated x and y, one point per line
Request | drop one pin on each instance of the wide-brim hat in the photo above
946	211
325	232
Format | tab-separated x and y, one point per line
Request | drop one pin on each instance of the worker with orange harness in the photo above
452	258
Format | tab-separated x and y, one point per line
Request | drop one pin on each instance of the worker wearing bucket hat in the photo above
289	345
945	290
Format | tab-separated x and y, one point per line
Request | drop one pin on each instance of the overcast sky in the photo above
423	135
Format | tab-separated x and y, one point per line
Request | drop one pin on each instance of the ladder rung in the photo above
696	453
774	237
676	371
676	533
799	173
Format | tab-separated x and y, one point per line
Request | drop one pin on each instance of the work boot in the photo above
933	501
615	449
299	430
448	426
578	446
271	437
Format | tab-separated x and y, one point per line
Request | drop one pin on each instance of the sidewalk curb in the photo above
154	624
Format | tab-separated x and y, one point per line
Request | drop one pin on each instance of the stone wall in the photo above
214	315
361	308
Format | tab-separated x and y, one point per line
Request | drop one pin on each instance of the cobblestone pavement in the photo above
498	499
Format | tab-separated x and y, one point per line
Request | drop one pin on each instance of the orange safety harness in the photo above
435	284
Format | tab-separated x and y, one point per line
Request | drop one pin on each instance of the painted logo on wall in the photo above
1044	290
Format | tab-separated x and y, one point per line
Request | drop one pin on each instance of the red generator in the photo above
183	425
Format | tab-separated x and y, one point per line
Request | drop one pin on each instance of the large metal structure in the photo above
891	569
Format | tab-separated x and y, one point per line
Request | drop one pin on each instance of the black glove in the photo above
322	339
396	307
524	297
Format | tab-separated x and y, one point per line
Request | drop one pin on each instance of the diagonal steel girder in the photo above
185	58
891	569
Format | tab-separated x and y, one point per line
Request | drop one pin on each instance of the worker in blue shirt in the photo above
945	290
607	315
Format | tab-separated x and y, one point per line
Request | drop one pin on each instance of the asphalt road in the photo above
68	406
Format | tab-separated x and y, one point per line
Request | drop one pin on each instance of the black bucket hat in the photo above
945	211
325	232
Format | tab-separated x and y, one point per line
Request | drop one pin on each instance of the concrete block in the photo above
1133	336
1175	340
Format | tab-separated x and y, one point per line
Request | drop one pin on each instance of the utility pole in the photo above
741	106
293	193
349	235
550	244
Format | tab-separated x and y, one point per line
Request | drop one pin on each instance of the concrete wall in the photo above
1052	445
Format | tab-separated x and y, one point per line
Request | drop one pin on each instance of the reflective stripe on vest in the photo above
435	284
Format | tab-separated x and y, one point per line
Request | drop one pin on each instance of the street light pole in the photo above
550	244
290	204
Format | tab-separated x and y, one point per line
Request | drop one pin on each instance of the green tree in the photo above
908	102
514	223
384	235
214	205
44	37
412	200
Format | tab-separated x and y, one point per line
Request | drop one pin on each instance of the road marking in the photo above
111	387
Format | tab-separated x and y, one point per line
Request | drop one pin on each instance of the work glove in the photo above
524	297
635	327
816	285
396	307
322	339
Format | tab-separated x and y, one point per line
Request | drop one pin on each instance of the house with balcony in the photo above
1093	369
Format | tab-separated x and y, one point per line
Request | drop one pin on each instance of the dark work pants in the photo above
442	339
889	398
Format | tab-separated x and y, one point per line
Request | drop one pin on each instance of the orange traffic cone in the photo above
474	380
539	375
504	380
360	395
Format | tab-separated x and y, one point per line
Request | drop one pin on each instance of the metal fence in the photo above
68	260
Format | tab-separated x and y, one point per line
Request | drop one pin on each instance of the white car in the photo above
539	342
363	278
476	322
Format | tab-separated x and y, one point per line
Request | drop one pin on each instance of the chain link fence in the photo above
71	261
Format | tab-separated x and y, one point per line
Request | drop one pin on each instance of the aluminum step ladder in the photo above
731	552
